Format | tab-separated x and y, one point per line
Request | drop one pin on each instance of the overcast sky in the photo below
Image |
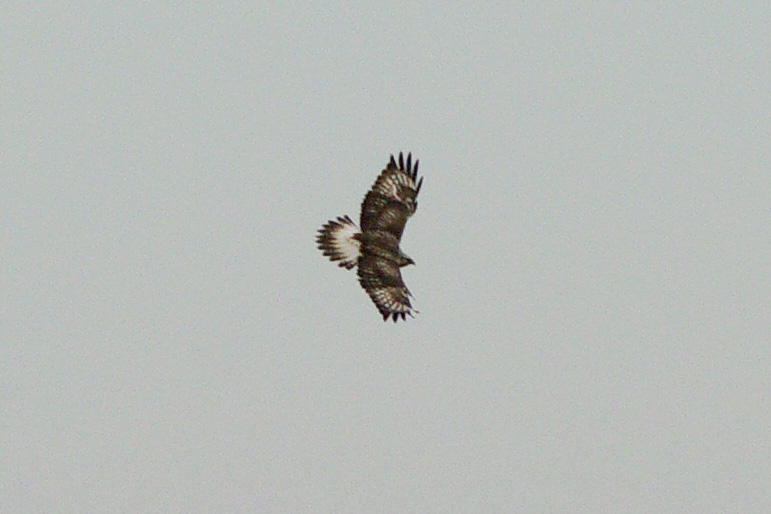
592	250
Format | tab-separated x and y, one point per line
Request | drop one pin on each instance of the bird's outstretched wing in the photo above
393	197
382	280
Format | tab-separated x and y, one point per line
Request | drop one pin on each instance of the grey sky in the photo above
592	249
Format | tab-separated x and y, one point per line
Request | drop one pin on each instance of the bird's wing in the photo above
382	280
393	198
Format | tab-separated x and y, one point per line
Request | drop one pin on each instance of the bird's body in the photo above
374	248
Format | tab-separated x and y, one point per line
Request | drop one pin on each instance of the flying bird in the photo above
374	247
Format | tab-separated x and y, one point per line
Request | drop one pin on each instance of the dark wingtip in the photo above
401	161
415	169
394	316
393	161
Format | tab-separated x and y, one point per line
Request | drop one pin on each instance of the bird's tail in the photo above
339	240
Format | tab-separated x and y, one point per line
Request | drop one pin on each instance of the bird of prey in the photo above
374	247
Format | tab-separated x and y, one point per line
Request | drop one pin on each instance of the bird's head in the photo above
404	259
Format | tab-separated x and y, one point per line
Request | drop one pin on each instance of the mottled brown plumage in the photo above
375	248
